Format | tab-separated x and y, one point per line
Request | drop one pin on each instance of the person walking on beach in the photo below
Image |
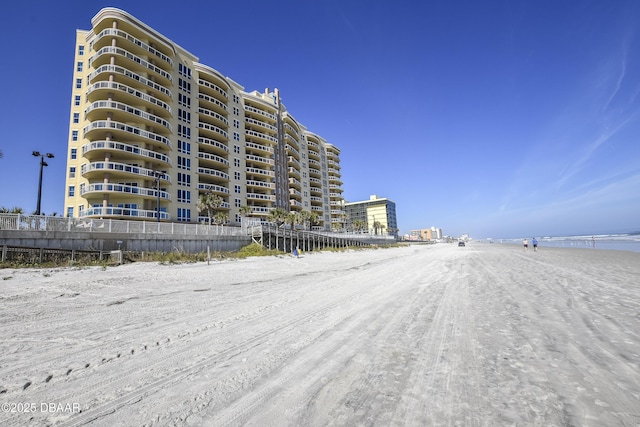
526	244
535	244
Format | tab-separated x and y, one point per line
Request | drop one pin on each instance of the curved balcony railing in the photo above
213	158
123	212
213	188
260	112
263	172
260	147
213	128
213	86
127	73
263	184
215	101
261	136
258	196
128	109
213	172
130	91
129	37
125	148
124	189
259	159
112	50
122	167
213	142
110	124
213	114
260	123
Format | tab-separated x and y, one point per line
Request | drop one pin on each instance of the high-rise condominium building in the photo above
152	129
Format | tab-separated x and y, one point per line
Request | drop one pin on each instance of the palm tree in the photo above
209	203
277	216
292	220
359	225
376	226
219	218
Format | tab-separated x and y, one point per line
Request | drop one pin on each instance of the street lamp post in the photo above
42	165
158	175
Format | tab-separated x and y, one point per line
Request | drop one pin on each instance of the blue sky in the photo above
494	118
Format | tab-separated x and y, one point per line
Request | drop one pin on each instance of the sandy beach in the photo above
483	335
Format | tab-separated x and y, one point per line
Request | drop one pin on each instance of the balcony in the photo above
148	193
213	145
250	123
97	170
100	90
216	104
212	188
253	110
261	184
122	131
252	146
261	136
263	197
123	72
104	39
215	90
105	54
214	129
260	160
216	118
124	113
213	173
125	149
111	212
262	172
212	158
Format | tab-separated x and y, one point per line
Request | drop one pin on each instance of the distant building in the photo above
377	213
426	234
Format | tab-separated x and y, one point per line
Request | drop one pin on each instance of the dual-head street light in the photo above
42	165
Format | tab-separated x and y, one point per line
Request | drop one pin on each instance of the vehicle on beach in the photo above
460	243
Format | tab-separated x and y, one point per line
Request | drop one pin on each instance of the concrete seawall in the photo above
104	241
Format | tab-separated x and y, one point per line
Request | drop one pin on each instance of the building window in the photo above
78	83
184	147
184	179
69	211
76	100
236	111
184	100
74	153
236	175
184	131
72	172
236	123
184	215
72	190
238	189
184	196
76	117
79	67
184	163
236	136
237	203
236	162
74	135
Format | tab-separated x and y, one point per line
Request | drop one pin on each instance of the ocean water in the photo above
619	242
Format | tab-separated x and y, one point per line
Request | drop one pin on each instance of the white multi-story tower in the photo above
152	129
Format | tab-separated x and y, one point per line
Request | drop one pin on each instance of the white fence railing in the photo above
53	223
21	222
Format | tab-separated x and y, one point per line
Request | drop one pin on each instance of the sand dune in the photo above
484	335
